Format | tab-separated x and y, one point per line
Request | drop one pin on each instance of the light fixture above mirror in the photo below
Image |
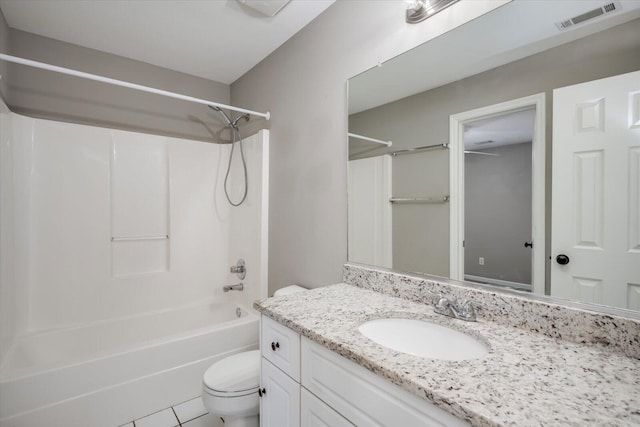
419	10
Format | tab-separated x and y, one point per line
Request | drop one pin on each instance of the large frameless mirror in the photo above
506	152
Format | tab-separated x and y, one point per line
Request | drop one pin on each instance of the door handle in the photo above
528	245
562	259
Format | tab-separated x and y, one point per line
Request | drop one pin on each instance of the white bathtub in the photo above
109	373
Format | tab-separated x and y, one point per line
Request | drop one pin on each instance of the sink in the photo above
425	339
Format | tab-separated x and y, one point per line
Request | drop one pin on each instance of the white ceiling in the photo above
215	39
507	129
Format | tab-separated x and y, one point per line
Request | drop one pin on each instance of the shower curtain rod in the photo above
122	83
366	138
418	149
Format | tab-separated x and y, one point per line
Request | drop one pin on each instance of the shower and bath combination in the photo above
236	137
170	338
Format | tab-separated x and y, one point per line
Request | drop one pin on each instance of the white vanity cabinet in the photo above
364	398
279	375
305	384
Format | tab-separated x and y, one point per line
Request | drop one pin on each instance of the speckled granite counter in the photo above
527	379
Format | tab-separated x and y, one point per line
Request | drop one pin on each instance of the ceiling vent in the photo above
266	7
610	7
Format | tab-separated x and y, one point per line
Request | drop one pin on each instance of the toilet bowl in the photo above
230	386
230	389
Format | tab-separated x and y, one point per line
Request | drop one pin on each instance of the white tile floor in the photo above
187	414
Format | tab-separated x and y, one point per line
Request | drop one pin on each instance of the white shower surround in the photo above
58	284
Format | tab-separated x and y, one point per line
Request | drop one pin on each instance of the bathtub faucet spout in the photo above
237	287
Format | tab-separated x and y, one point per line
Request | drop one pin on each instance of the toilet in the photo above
230	389
230	386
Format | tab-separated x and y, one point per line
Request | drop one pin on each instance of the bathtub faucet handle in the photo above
239	269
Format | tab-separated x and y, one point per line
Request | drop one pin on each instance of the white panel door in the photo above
280	400
596	192
369	234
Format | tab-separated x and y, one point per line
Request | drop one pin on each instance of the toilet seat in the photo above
228	394
233	376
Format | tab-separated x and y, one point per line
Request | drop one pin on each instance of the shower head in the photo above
232	123
235	122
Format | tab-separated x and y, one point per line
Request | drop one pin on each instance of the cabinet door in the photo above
280	400
315	413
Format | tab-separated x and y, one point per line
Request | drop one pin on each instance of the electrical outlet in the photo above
481	260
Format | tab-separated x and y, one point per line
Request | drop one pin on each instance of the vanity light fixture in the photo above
419	10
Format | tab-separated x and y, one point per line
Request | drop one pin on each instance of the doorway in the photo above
497	194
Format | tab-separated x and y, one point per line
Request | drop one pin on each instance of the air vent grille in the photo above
607	8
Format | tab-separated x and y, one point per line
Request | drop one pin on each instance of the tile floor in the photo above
187	414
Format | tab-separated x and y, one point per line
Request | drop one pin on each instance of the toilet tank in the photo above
287	290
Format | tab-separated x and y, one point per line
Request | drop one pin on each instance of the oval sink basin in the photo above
425	339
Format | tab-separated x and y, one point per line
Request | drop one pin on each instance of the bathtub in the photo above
109	373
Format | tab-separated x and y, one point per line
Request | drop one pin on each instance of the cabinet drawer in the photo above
315	413
281	346
364	398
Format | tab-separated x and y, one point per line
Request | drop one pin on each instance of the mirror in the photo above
498	169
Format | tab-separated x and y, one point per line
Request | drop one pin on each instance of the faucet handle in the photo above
443	306
467	310
435	296
443	301
240	269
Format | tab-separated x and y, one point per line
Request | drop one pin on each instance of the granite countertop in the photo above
527	379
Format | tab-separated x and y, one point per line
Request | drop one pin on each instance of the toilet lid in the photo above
235	373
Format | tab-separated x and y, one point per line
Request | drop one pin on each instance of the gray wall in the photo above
4	47
423	119
497	220
48	95
7	290
303	84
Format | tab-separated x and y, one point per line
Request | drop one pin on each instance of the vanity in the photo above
319	369
306	384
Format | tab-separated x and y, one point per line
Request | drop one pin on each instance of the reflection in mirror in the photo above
518	193
497	199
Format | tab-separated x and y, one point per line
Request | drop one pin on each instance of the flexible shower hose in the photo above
236	138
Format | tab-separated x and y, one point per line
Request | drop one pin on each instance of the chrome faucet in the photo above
238	287
451	308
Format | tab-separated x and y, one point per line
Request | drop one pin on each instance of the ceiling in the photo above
506	129
513	31
215	39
